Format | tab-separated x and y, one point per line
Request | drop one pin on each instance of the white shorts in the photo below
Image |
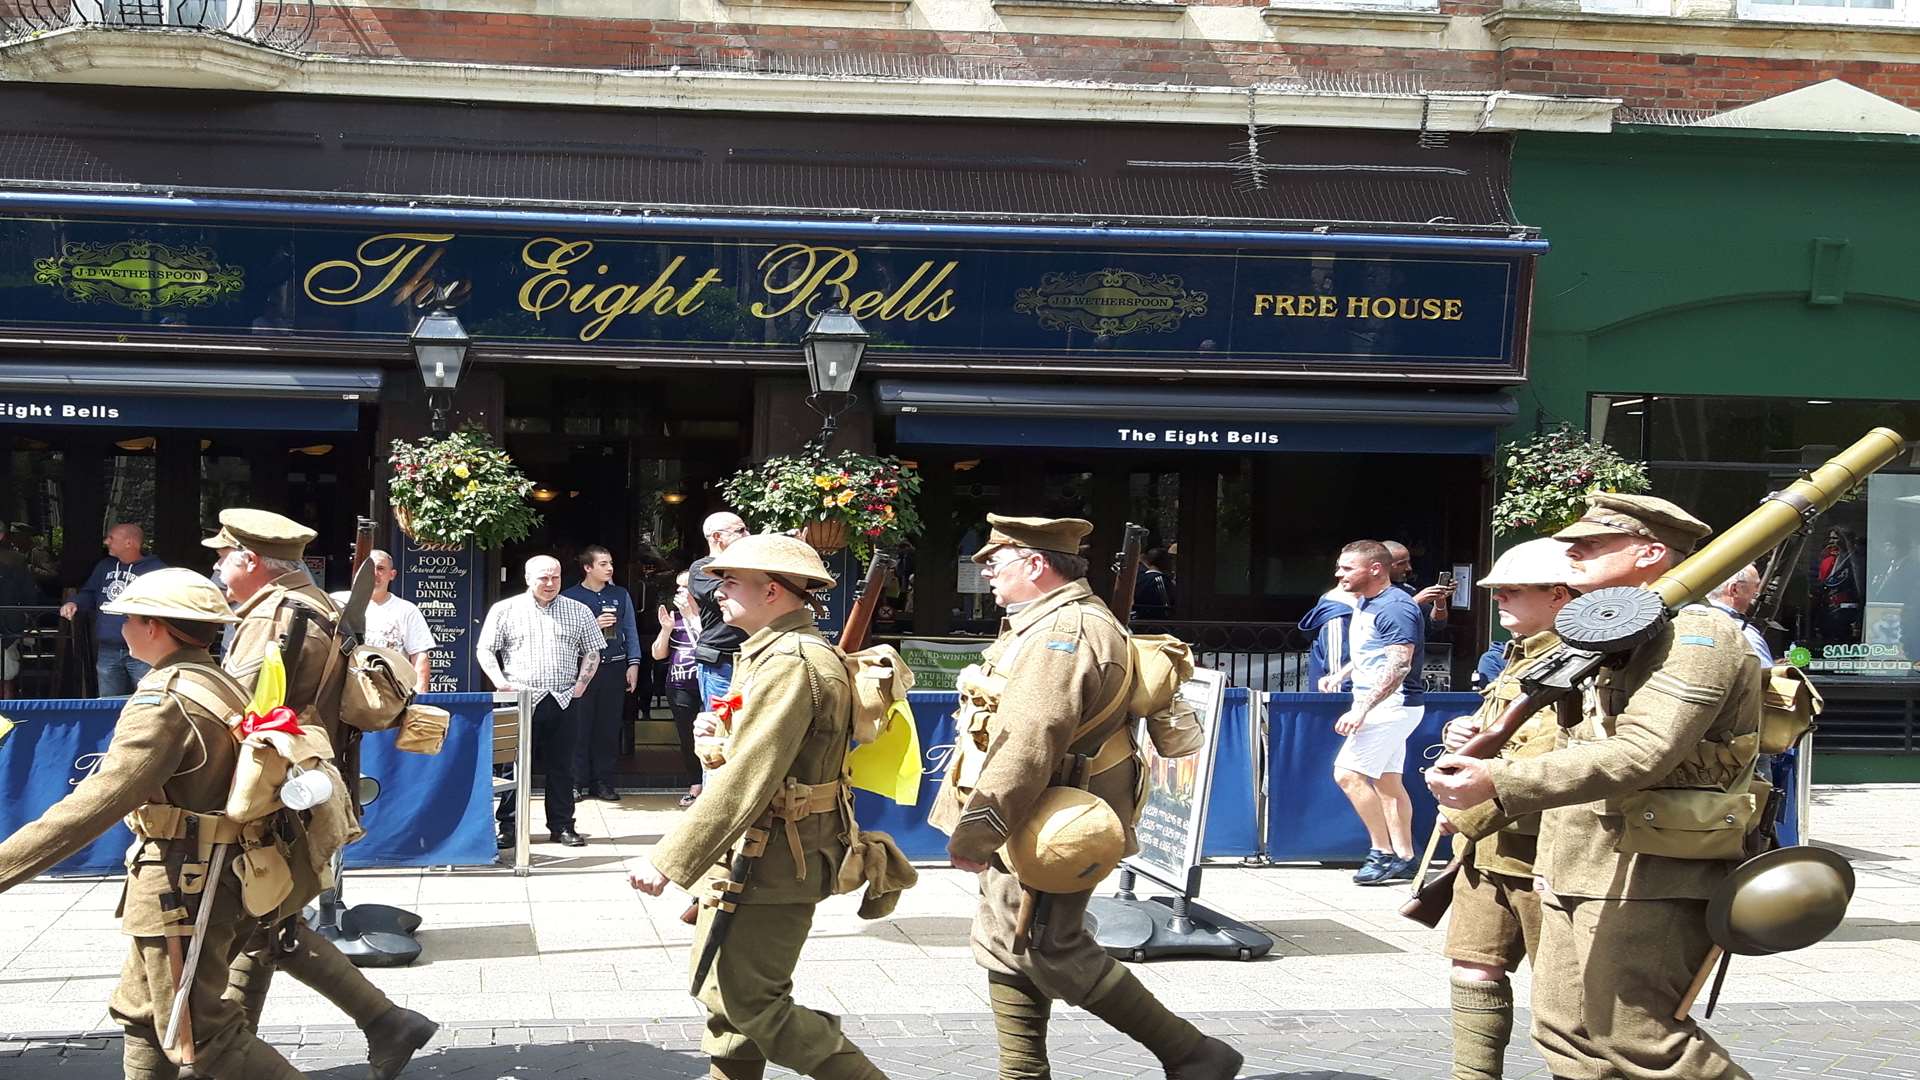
1380	746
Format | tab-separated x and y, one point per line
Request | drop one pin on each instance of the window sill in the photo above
886	7
1420	28
1147	10
1572	30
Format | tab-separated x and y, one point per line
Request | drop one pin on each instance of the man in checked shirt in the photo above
550	645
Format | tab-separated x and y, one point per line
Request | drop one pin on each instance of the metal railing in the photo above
282	24
1267	656
41	655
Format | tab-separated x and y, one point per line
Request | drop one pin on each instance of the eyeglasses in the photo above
993	566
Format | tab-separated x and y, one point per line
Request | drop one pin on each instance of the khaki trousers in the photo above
223	1043
1064	963
1606	981
749	993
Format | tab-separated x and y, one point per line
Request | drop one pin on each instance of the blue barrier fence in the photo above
437	811
432	811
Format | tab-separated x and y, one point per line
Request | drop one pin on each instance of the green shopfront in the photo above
1731	306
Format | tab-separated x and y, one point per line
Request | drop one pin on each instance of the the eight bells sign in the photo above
1300	308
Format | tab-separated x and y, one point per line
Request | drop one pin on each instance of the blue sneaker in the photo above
1369	871
1391	871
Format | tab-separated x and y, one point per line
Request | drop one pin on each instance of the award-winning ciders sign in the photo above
1299	307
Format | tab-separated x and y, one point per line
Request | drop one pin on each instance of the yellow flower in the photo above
823	481
826	502
460	470
887	512
845	497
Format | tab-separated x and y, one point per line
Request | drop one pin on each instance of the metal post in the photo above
1803	787
1257	713
523	786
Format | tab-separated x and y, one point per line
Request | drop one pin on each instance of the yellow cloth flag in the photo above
890	765
270	692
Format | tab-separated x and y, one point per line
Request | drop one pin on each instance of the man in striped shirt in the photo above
545	643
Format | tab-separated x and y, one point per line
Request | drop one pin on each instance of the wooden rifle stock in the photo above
1126	571
362	544
853	637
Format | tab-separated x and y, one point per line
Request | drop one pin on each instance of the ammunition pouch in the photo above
796	801
266	879
261	865
1686	823
423	730
1789	702
379	686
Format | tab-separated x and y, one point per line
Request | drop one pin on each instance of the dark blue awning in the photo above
1131	417
208	396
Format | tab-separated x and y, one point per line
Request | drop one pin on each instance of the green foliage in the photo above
872	495
1545	480
460	488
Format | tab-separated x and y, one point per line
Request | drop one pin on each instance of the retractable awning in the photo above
208	396
1147	417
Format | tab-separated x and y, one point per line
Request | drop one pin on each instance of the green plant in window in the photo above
871	497
1546	477
460	488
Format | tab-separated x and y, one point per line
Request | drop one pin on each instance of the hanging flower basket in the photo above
1545	480
825	537
458	490
404	518
844	500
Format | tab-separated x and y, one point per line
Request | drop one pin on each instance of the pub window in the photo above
1853	599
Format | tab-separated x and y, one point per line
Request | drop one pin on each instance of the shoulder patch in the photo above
1694	639
1064	646
147	699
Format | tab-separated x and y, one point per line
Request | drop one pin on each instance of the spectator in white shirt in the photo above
394	623
549	645
1736	597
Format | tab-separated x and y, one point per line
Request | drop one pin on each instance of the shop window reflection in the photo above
1233	543
131	480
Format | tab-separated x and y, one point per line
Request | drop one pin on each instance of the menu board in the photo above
1174	821
447	587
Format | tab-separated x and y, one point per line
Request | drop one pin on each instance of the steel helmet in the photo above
173	593
773	553
1536	562
1786	899
1070	841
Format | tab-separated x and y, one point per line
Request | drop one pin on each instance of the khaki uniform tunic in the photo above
1495	915
1063	657
1622	933
313	959
794	721
165	749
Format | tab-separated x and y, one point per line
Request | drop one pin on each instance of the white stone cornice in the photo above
203	61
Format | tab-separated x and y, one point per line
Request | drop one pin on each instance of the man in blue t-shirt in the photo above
1385	648
117	669
604	705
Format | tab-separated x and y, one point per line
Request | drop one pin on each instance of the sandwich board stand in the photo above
1171	828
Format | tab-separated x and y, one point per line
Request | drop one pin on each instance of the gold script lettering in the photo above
551	287
813	268
394	252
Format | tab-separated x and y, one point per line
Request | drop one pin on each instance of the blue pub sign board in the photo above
1295	306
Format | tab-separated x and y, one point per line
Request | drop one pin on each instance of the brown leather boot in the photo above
393	1039
1020	1014
736	1068
1214	1060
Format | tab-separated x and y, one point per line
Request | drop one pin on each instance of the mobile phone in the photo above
1444	579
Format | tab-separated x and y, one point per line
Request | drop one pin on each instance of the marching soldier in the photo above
1060	661
168	771
1495	919
260	565
789	712
1623	905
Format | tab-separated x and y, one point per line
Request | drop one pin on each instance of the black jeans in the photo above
553	739
599	712
684	699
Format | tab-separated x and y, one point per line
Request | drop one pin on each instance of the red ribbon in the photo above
725	707
279	718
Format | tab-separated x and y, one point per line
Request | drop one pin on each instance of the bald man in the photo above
719	641
117	669
548	644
